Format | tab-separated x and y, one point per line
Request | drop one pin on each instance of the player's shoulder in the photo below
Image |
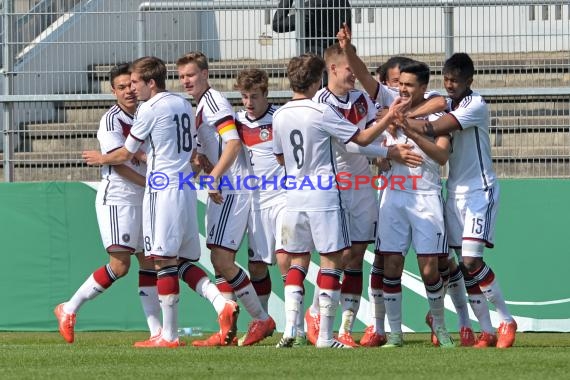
115	116
214	101
474	101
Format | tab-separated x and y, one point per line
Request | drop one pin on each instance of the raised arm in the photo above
357	66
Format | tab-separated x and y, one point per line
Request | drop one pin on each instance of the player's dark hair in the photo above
304	71
151	68
119	69
459	64
396	61
419	69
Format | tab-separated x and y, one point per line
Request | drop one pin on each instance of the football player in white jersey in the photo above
229	203
255	128
411	211
165	122
361	204
384	94
473	196
119	214
303	138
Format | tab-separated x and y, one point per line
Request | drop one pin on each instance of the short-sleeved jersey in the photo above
385	95
358	108
423	179
470	164
215	125
303	132
257	138
116	190
165	123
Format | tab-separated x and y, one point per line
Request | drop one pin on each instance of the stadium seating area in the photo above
530	135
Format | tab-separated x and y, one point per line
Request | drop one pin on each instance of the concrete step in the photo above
512	138
31	174
531	122
64	130
62	145
532	169
530	152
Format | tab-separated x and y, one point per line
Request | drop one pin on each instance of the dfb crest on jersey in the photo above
126	238
263	134
360	109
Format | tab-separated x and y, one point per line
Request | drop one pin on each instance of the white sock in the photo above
478	304
314	308
264	300
377	309
169	306
457	292
494	295
208	290
300	323
87	291
328	303
393	303
435	296
151	308
250	301
350	304
293	301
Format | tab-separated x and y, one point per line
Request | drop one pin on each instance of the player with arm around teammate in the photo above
473	196
412	213
119	214
314	214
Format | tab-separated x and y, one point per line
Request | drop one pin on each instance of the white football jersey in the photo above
424	179
470	164
385	95
257	138
165	123
358	108
303	132
115	190
215	125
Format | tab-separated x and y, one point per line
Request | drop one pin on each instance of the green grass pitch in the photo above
97	355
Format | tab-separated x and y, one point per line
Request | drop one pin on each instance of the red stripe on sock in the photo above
263	286
193	275
102	277
166	285
376	281
329	282
295	277
352	283
147	279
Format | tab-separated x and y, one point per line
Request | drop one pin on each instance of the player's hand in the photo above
399	107
216	196
92	157
344	36
139	157
204	163
404	154
408	131
383	164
